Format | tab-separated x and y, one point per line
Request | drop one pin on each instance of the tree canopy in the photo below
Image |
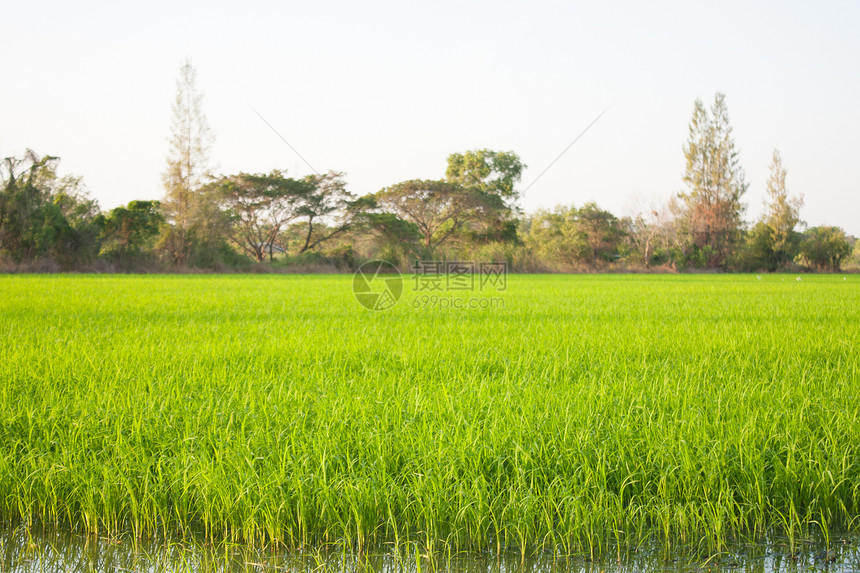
438	208
712	210
243	219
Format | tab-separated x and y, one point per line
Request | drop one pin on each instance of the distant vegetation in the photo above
270	221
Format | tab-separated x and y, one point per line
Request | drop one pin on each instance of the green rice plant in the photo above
585	414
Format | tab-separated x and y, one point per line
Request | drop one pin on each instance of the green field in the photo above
579	412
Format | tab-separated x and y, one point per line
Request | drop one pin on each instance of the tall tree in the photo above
715	181
187	165
782	215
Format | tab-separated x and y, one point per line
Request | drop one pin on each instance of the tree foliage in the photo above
326	209
185	208
782	215
825	248
438	208
571	237
258	207
773	243
554	236
231	220
652	237
126	231
43	215
712	212
495	174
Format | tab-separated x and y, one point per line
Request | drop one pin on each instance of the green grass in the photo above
588	410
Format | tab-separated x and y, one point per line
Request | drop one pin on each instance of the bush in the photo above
824	248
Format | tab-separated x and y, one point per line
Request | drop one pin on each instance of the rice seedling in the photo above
586	413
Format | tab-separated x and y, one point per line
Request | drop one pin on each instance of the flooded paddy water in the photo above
50	549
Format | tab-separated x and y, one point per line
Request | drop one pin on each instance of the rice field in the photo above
575	414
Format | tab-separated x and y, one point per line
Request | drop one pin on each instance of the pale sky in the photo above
384	91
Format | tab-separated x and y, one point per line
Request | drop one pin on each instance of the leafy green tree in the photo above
773	243
258	207
394	239
495	172
24	197
855	256
825	248
492	173
79	241
43	215
127	231
325	209
757	252
568	236
712	214
439	209
602	231
553	235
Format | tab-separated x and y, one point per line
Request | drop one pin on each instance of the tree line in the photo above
271	221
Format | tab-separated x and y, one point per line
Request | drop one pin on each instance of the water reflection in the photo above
38	549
